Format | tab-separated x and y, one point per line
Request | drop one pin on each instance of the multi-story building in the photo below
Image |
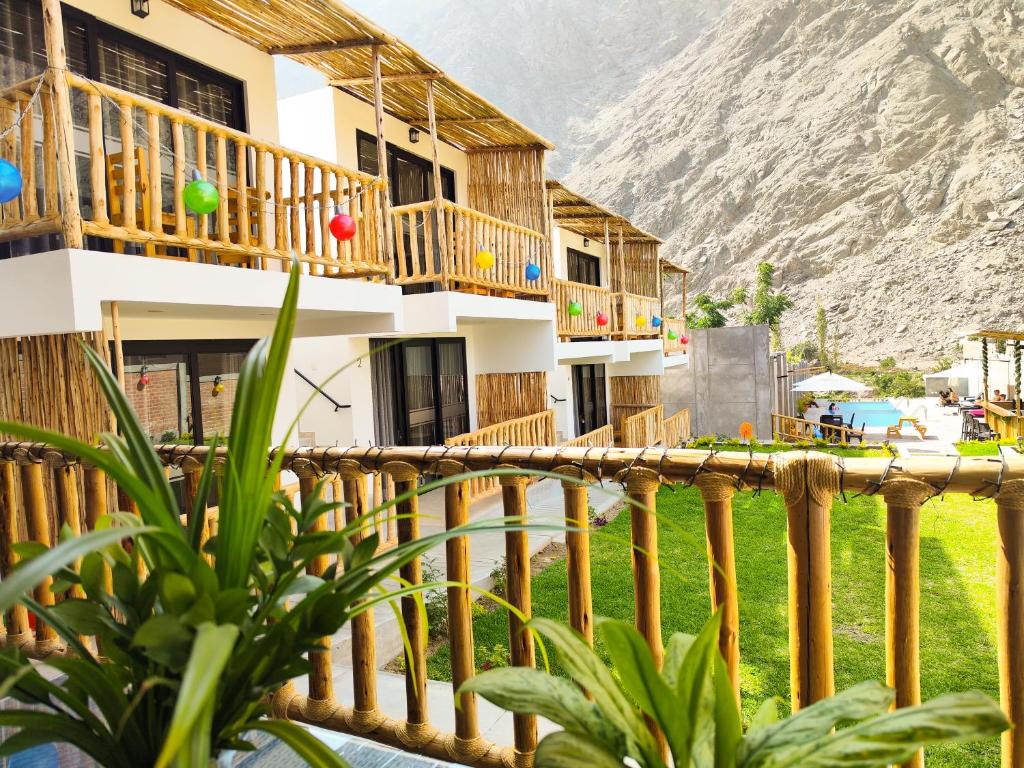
474	292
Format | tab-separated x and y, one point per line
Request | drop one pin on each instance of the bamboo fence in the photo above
505	396
790	429
644	429
676	346
634	314
808	482
602	437
676	429
631	395
1003	421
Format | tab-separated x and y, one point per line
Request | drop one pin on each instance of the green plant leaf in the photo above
695	689
56	728
728	726
32	573
634	664
530	691
83	617
308	747
894	737
675	652
210	653
813	722
571	750
587	669
177	592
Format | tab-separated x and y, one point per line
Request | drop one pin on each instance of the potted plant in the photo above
191	639
692	703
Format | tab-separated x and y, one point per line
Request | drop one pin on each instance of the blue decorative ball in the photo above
656	321
532	272
10	182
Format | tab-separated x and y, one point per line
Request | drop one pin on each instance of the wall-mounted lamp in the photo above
143	378
140	8
586	242
414	136
218	385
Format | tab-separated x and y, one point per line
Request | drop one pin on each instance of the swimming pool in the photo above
870	413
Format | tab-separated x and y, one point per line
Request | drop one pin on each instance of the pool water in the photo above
870	413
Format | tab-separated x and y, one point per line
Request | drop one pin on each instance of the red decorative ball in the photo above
684	340
144	380
602	318
343	226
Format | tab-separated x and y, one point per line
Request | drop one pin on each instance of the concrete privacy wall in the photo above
728	381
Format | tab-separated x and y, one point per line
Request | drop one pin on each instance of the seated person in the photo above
944	398
954	398
997	396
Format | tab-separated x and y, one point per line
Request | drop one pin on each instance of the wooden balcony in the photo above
677	329
592	300
447	255
634	314
273	203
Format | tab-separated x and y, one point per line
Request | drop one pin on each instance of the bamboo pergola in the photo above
1014	340
347	48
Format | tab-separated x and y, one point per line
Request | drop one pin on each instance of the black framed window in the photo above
582	267
420	390
183	391
410	177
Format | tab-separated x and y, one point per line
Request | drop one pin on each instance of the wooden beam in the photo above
382	157
425	121
581	216
321	47
57	59
403	77
438	188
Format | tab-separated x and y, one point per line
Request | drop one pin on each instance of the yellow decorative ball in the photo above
484	259
641	321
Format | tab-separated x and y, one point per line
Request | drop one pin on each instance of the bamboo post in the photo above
57	60
642	490
517	565
1010	616
808	483
577	550
69	511
442	236
903	500
365	714
405	476
17	618
38	520
321	679
115	324
382	155
460	615
717	491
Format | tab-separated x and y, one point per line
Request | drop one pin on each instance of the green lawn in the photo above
958	598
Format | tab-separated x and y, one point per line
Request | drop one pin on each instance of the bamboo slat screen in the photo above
505	396
642	270
47	382
36	211
631	395
509	185
809	483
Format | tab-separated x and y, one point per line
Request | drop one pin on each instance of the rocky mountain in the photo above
552	64
872	149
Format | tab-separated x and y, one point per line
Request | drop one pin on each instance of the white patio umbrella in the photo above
829	382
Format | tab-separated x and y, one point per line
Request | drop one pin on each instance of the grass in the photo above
957	595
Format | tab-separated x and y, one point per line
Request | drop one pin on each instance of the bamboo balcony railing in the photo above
790	429
808	482
677	326
602	437
447	255
30	147
645	428
676	428
140	154
535	429
633	314
592	300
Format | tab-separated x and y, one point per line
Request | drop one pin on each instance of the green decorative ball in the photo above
201	197
575	309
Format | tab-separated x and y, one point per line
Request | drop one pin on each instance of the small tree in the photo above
709	311
821	329
769	305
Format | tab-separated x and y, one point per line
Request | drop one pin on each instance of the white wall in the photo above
319	359
560	386
324	123
185	34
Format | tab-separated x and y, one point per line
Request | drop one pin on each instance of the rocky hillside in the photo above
551	63
872	149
